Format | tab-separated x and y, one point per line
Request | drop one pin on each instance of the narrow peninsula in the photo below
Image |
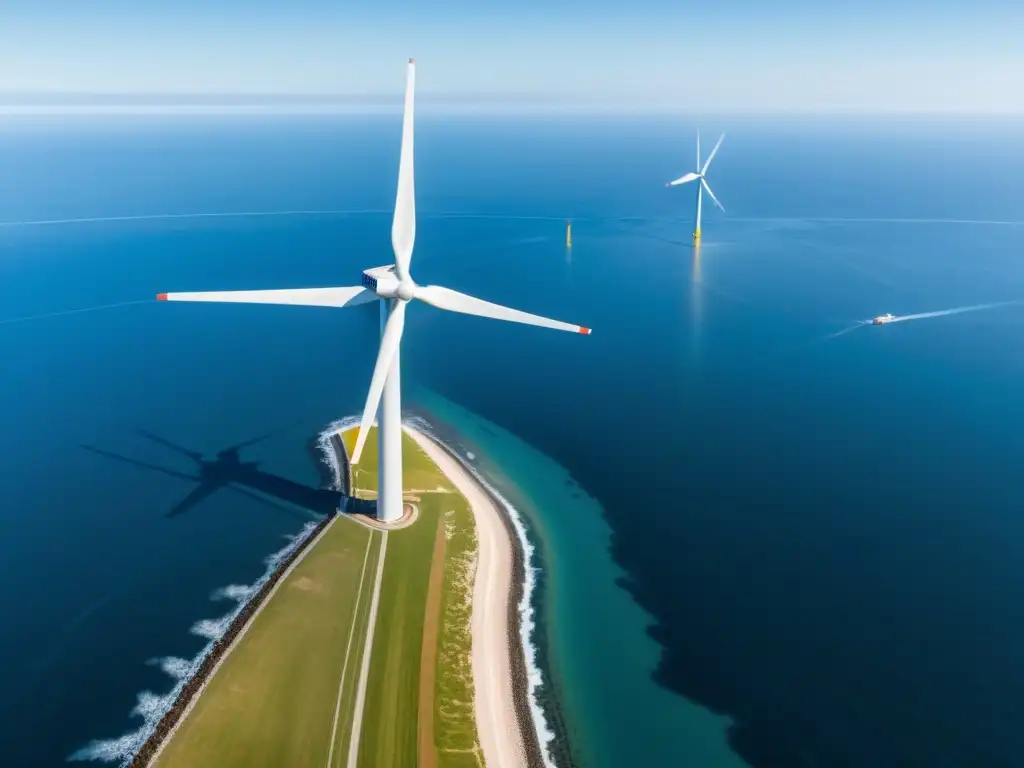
372	644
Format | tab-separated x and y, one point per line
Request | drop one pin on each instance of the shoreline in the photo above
527	749
540	703
221	648
530	712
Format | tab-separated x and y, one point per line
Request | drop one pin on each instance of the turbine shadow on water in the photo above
228	470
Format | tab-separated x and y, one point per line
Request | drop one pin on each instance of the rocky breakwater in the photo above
165	727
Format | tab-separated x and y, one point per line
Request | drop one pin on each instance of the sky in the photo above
916	56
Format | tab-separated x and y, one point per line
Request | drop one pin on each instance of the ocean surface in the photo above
761	543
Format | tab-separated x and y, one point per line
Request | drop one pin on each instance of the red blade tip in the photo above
161	297
412	61
585	331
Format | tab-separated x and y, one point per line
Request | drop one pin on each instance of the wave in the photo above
174	666
527	623
151	707
237	592
328	456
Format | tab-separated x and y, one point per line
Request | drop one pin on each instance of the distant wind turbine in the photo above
703	186
394	287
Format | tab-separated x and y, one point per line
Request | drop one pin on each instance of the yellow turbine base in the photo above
696	235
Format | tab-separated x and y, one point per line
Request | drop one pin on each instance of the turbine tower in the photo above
393	286
703	186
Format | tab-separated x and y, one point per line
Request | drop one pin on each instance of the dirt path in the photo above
427	750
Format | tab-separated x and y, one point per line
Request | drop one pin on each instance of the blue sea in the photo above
767	536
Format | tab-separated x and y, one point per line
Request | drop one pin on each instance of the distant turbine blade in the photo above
712	155
708	190
683	180
307	297
403	227
385	357
445	298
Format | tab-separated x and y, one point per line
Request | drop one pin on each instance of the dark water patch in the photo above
848	590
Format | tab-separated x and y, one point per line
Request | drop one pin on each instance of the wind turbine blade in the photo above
307	297
388	349
444	298
403	228
708	190
698	150
712	155
683	180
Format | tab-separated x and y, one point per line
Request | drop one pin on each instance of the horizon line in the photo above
40	103
493	110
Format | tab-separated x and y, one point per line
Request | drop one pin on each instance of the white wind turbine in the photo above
703	182
394	287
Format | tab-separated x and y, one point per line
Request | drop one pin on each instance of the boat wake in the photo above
954	311
151	707
846	330
920	316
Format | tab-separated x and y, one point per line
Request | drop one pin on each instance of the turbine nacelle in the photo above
384	282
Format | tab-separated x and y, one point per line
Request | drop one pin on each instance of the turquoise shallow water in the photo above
589	621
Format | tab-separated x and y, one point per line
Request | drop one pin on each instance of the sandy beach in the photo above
498	725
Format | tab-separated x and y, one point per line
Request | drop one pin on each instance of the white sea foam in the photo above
174	666
211	629
151	706
527	624
328	456
237	592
